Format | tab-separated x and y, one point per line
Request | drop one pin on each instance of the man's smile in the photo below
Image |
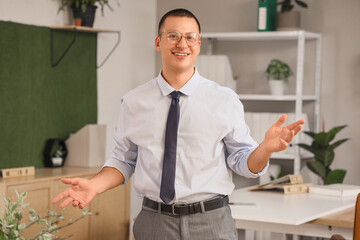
179	54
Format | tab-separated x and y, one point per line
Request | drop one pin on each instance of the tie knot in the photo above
175	95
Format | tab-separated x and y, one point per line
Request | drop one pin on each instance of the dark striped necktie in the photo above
167	190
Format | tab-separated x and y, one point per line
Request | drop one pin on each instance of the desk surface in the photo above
285	209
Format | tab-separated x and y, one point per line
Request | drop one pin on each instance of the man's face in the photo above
178	56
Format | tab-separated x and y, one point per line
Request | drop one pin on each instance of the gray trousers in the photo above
216	224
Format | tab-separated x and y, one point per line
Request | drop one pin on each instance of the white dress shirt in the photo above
213	139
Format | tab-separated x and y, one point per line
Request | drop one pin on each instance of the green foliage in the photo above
281	174
278	70
11	225
83	4
324	154
287	6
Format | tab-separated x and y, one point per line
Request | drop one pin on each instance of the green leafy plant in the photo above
278	70
84	3
279	175
324	154
287	6
11	225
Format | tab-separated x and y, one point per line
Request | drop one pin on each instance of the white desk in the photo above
276	212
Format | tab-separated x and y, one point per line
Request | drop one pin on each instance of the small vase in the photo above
277	87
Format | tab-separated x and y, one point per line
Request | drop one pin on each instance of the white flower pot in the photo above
277	87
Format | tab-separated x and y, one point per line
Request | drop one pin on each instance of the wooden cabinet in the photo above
110	210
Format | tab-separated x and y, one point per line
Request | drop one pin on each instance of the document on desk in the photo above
293	209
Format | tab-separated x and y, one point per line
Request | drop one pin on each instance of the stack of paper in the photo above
341	190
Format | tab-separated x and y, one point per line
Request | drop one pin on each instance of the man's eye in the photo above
173	36
191	38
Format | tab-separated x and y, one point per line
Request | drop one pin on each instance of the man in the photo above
181	156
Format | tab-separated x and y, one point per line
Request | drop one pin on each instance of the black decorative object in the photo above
55	153
87	16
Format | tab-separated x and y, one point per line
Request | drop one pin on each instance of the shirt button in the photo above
177	156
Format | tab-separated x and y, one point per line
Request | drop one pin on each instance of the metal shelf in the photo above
300	38
77	29
264	97
259	36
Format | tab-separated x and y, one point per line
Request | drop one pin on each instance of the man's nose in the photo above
182	43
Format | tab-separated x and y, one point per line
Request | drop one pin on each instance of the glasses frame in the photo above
190	45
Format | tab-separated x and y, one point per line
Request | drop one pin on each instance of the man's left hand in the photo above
278	137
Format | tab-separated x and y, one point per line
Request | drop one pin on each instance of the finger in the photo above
295	124
281	121
286	144
75	203
72	181
77	198
297	129
60	196
66	202
81	206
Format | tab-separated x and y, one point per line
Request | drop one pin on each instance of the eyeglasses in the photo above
191	38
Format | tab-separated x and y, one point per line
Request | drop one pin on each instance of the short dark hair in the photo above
179	12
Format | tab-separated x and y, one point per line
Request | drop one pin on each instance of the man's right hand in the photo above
80	193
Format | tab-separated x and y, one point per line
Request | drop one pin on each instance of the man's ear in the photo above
157	43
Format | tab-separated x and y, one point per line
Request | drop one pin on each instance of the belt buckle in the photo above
177	205
173	208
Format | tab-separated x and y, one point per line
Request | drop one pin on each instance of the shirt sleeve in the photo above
239	144
124	152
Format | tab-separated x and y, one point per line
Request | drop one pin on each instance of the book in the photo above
288	184
17	172
287	179
267	15
336	189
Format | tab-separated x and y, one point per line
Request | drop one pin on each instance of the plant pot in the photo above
77	21
87	17
288	21
277	87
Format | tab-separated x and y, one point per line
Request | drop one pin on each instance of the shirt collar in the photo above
187	89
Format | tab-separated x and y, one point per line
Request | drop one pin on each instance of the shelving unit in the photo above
300	37
76	29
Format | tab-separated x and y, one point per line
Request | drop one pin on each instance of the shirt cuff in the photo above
124	168
247	172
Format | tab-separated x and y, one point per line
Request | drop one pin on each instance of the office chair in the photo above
356	231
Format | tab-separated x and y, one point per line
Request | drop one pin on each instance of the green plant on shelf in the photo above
12	224
324	155
287	5
84	3
278	70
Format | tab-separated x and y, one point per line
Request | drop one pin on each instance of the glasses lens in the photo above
174	36
192	38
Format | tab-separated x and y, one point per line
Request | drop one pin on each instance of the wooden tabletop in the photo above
343	218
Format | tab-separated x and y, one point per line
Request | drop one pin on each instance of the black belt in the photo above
191	208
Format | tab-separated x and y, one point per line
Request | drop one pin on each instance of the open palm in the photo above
278	137
80	193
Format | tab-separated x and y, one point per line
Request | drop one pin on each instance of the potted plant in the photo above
278	73
85	9
55	153
12	223
324	154
287	19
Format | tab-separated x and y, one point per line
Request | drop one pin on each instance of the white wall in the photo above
130	65
338	21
